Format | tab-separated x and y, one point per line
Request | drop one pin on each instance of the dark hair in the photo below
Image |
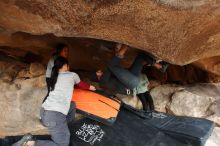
94	77
58	64
59	48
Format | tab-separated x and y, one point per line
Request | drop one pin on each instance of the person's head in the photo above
62	50
95	77
99	73
61	64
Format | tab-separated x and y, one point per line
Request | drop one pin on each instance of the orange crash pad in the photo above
96	106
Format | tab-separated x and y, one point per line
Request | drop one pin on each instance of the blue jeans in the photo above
71	114
128	77
56	123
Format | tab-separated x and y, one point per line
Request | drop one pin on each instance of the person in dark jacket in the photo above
116	79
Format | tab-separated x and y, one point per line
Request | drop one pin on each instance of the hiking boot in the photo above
23	140
164	66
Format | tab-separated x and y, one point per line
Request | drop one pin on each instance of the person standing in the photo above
61	50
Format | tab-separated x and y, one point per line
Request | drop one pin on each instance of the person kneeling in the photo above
54	111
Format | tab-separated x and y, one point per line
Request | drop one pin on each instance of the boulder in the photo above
10	70
188	104
214	138
198	100
21	103
213	112
162	96
37	69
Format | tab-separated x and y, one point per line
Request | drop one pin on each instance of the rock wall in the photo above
178	31
95	54
33	48
209	64
22	89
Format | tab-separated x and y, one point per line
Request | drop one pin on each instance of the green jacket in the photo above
142	85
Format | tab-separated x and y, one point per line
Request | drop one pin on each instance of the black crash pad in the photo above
189	130
128	130
137	128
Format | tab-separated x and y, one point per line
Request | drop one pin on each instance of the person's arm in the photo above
82	85
49	67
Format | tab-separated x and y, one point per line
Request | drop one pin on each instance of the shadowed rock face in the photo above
91	54
211	64
178	31
85	53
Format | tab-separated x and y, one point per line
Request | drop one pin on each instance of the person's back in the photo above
59	98
61	50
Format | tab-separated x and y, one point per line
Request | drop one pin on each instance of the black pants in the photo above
146	100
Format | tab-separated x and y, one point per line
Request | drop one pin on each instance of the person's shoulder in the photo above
75	74
72	74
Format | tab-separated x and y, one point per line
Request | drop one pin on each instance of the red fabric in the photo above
82	85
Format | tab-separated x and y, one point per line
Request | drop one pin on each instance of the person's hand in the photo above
92	88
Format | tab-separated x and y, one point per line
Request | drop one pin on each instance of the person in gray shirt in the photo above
61	50
55	109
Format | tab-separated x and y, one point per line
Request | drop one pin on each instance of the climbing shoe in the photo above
23	140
